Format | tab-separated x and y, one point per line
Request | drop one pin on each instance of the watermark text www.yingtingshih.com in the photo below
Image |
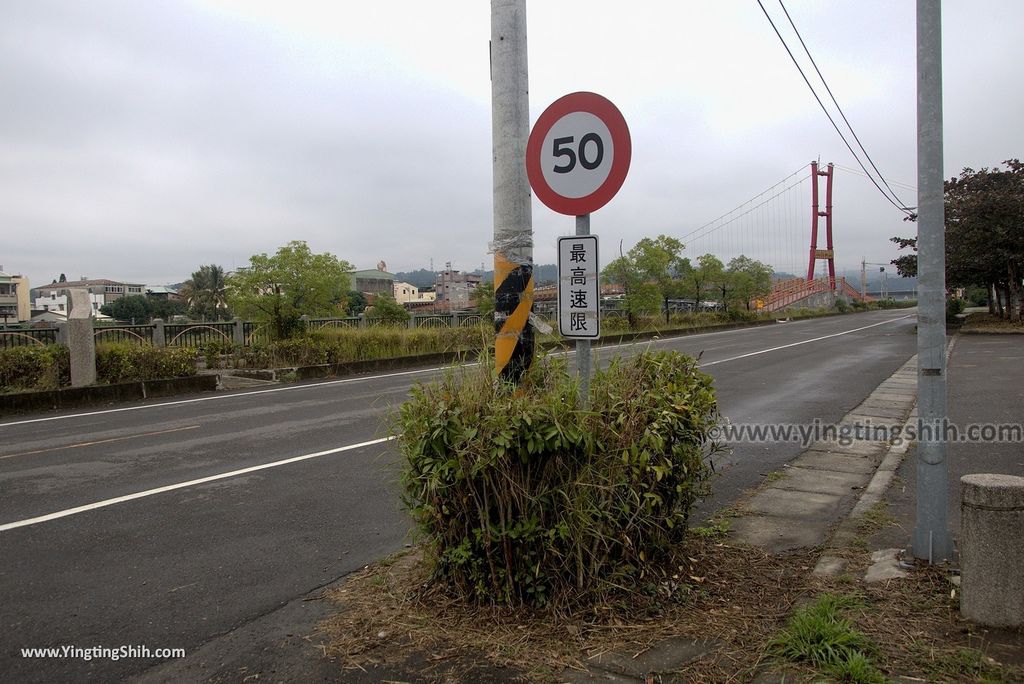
845	434
88	653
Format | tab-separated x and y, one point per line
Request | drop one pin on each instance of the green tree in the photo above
749	279
649	275
906	265
985	232
483	298
356	302
984	235
167	308
699	280
293	282
133	309
206	293
387	310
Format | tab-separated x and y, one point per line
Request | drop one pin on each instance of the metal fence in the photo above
137	334
230	332
11	337
196	334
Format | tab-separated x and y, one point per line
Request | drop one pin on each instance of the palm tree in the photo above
206	293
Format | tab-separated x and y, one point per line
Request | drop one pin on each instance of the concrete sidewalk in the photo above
986	386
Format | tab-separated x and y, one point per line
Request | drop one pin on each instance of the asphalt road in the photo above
91	555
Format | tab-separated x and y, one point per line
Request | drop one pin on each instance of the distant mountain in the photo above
420	278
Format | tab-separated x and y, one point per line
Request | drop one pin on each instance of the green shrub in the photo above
34	368
954	306
842	306
342	345
893	304
218	353
525	497
126	362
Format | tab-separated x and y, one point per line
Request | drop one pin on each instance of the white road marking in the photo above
181	485
274	464
797	344
366	378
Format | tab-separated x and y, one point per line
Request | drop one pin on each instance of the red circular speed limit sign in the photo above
578	154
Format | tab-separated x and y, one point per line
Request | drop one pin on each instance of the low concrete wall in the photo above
76	397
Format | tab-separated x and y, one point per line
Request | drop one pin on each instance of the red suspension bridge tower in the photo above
828	253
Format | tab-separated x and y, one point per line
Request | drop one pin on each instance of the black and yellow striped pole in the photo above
513	221
513	302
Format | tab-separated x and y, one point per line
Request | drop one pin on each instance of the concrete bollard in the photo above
159	337
81	338
992	549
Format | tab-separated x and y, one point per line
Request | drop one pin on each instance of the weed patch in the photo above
818	635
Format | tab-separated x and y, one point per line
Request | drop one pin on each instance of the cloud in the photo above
141	140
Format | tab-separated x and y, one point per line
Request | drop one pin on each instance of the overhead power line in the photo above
836	103
824	109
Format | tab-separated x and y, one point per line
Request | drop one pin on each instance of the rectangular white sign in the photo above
579	292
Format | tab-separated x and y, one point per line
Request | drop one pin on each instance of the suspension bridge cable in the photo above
736	218
836	103
743	204
827	114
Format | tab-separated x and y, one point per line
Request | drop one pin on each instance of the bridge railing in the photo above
14	336
791	291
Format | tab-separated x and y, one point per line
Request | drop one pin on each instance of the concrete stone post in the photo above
62	334
159	337
304	320
992	549
362	320
238	332
81	339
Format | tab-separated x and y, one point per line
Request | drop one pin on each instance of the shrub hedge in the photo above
526	497
48	368
126	362
34	368
379	342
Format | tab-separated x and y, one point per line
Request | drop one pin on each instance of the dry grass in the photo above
391	619
389	616
987	323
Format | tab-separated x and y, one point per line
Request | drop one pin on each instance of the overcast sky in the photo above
141	139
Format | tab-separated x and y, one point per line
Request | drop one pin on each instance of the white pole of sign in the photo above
583	346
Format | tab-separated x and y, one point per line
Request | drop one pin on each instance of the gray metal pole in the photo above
932	540
583	346
513	220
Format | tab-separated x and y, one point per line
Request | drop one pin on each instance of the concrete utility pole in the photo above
932	540
513	221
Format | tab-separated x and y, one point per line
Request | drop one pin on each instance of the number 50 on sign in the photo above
578	153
